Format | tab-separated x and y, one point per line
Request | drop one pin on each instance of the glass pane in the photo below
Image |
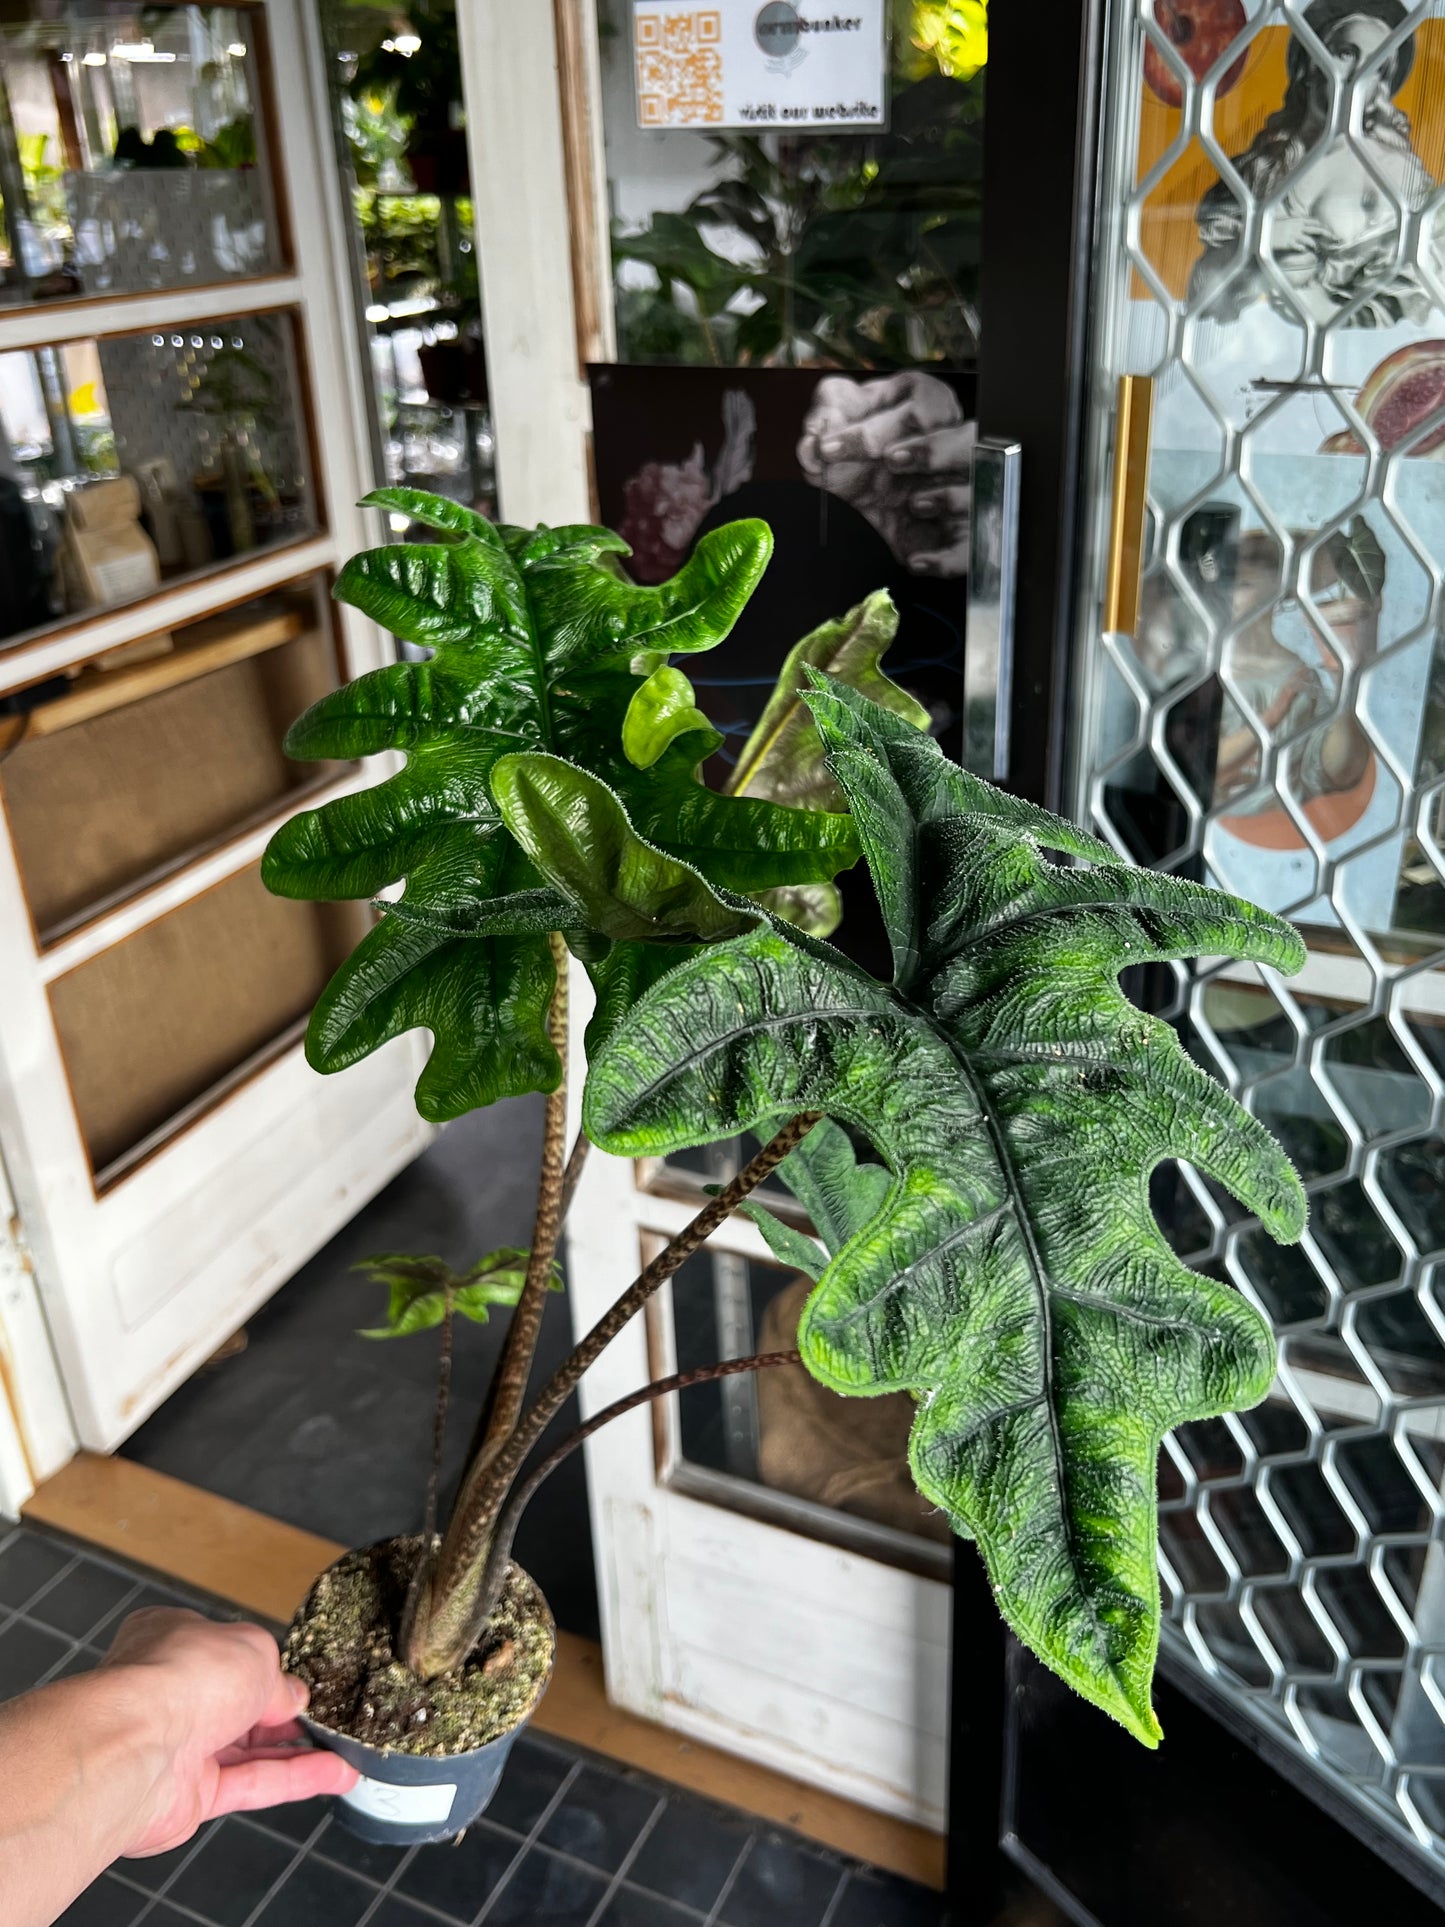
137	460
780	1429
1276	725
822	247
131	150
123	769
401	141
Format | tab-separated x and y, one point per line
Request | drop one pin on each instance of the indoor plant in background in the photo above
993	1253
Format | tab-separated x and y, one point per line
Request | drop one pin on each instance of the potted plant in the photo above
992	1251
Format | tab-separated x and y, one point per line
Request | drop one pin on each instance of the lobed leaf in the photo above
1011	1275
541	646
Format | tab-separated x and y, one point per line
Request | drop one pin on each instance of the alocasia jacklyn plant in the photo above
993	1252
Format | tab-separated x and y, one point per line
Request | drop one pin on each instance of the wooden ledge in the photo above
181	1533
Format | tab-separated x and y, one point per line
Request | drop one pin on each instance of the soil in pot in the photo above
341	1644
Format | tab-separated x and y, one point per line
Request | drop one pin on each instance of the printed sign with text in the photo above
735	63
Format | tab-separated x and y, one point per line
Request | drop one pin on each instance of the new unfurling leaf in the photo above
1011	1274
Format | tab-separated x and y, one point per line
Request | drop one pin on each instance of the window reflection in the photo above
130	156
130	461
849	250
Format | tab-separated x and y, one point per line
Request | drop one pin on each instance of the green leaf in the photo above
540	644
839	1192
663	709
789	1247
783	758
575	830
418	1289
1013	1277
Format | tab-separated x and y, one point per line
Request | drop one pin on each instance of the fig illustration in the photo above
1200	30
1398	395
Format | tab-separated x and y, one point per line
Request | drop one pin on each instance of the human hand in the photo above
219	1717
898	448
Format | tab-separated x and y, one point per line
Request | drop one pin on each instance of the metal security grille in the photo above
1274	257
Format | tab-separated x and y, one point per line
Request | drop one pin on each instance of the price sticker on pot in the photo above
410	1806
785	63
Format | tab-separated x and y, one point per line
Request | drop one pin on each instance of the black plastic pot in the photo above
405	1800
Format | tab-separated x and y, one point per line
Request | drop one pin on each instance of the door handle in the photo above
1129	504
988	653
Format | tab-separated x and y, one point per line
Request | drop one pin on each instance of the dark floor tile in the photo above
316	1895
28	1563
361	1856
163	1916
266	1429
297	1819
629	1907
79	1602
780	1884
106	1904
881	1900
82	1660
155	1869
458	1878
546	1888
231	1874
26	1655
689	1853
396	1912
600	1818
533	1774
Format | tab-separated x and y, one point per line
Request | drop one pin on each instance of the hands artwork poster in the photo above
1312	267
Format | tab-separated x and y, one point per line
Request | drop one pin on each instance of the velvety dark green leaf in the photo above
789	1246
1013	1277
540	644
783	758
839	1191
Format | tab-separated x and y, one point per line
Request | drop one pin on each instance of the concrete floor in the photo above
332	1432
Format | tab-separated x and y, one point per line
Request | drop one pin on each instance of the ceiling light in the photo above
92	60
237	50
407	43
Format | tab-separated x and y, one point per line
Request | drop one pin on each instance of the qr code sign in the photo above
679	68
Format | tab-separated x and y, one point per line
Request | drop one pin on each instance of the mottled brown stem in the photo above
577	1157
456	1601
500	1552
439	1422
514	1368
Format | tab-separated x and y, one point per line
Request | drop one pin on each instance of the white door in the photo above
183	445
792	1632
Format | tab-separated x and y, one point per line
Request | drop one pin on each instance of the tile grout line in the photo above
533	1839
843	1879
280	1881
616	1880
715	1911
154	1895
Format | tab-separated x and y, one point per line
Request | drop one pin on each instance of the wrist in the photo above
127	1750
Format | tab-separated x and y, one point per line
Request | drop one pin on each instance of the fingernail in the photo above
300	1692
924	504
901	457
832	445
